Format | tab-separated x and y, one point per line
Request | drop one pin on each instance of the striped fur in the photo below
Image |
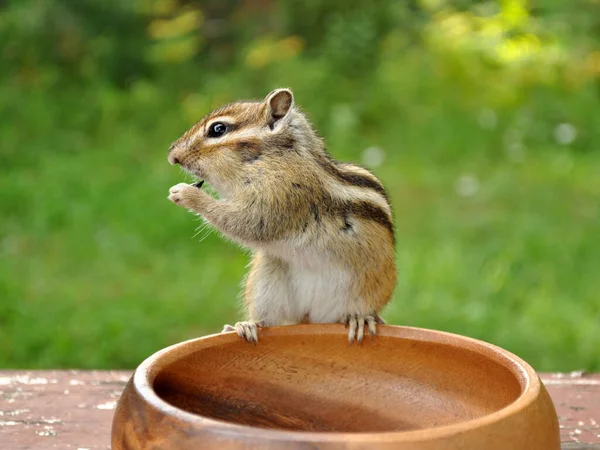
321	231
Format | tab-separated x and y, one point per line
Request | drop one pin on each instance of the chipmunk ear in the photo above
279	102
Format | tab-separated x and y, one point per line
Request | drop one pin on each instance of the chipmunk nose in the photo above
173	156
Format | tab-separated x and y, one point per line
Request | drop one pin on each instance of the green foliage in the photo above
491	162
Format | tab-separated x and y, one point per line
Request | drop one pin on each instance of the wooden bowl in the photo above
303	387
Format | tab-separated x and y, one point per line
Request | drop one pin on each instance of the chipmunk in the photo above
321	231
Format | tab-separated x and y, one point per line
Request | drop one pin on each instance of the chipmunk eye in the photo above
217	129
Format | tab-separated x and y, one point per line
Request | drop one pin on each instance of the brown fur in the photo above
283	193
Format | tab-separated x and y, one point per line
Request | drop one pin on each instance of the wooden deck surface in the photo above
73	409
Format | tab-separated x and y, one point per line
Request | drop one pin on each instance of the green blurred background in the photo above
481	117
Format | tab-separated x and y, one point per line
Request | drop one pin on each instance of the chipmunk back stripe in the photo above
336	169
369	211
360	209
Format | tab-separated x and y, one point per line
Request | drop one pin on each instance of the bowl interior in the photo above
313	381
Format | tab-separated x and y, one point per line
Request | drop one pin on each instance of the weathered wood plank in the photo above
62	410
73	409
576	397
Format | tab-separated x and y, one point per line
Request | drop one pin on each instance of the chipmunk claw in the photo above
356	326
246	330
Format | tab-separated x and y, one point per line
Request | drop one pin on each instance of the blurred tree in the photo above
79	40
481	109
349	37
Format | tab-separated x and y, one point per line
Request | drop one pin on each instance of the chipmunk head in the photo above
229	143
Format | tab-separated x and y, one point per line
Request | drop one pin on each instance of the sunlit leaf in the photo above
181	25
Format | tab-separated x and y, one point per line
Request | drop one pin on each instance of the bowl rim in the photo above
145	375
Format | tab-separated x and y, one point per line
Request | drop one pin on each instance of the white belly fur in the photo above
316	285
323	295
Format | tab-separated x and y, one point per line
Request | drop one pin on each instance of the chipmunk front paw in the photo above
356	326
246	330
185	195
